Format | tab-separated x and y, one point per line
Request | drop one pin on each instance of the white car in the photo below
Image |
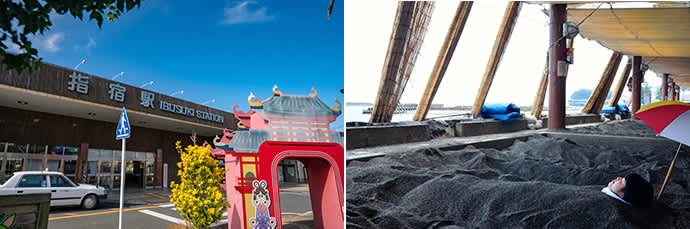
63	191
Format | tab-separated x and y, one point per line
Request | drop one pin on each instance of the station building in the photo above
60	119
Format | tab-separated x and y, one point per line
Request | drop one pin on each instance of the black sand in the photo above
542	182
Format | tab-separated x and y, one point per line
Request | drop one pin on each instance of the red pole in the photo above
558	68
636	84
673	91
664	86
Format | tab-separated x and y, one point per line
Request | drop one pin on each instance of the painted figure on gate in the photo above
261	201
6	223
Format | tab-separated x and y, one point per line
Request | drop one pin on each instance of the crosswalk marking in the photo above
163	217
166	205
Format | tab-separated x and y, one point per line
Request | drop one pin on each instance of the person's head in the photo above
634	189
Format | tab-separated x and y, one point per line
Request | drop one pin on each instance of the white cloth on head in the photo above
608	192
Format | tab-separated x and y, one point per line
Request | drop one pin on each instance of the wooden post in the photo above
636	84
507	25
664	86
598	97
622	79
409	29
673	91
443	59
557	67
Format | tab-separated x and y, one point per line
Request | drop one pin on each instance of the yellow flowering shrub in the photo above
198	197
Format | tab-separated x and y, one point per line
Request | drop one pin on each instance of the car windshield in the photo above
5	179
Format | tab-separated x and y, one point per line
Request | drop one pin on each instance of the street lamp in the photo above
207	102
83	61
118	75
177	92
146	84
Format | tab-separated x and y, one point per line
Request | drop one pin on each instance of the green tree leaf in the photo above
33	18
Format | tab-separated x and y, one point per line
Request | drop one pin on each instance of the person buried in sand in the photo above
632	190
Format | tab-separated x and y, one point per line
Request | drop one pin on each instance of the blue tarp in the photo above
608	110
623	108
501	111
620	108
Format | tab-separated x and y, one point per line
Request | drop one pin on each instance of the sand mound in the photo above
625	127
539	182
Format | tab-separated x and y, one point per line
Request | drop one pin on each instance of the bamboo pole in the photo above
409	29
509	19
668	174
420	20
601	90
622	79
443	59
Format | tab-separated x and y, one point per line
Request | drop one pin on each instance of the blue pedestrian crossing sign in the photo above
123	129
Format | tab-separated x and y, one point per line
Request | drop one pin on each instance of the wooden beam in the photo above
607	85
541	92
596	100
443	59
409	29
507	25
622	79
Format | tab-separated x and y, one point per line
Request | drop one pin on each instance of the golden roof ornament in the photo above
255	103
314	93
275	91
337	108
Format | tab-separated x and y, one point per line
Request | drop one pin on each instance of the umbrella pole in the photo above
668	174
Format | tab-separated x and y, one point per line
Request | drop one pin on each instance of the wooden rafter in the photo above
598	97
622	79
541	93
411	21
509	19
443	59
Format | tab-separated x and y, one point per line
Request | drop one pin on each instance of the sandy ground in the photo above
541	182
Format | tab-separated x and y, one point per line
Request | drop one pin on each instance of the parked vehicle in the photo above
63	191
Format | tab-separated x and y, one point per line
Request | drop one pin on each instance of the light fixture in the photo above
207	102
83	61
146	84
644	67
570	29
118	75
177	92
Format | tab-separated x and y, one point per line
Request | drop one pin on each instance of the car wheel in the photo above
89	202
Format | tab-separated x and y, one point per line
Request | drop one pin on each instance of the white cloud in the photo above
242	13
91	43
14	48
50	44
87	47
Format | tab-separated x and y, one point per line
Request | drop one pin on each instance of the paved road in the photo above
295	205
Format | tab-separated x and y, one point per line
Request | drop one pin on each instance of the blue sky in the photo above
218	50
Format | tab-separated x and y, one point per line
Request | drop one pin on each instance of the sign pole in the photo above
122	132
122	182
